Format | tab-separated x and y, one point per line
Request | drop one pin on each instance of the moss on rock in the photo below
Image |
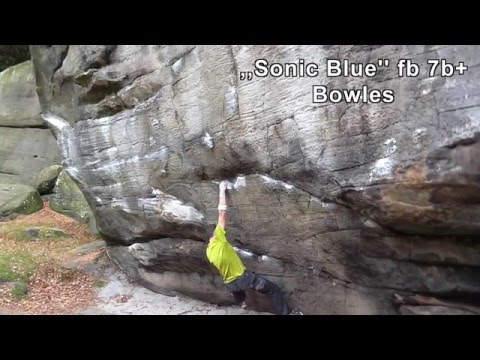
69	200
19	199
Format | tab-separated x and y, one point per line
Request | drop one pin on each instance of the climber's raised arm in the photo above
222	205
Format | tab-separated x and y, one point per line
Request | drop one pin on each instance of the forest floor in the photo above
52	264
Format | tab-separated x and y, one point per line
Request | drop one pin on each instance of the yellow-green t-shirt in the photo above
224	257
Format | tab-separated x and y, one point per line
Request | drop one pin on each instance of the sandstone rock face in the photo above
24	153
45	180
352	201
19	106
69	200
18	199
26	144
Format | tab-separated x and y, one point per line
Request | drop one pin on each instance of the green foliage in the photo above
17	266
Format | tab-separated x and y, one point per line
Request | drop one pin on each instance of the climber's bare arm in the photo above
222	205
222	219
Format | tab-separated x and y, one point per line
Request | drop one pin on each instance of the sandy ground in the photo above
120	297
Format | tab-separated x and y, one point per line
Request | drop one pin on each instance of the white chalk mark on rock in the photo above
240	182
269	180
245	253
418	133
207	140
382	168
175	210
391	146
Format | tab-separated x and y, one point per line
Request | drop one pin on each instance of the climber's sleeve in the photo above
220	234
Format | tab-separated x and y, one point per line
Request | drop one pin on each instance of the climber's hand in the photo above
224	185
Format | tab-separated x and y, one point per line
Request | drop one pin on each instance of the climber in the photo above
235	275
